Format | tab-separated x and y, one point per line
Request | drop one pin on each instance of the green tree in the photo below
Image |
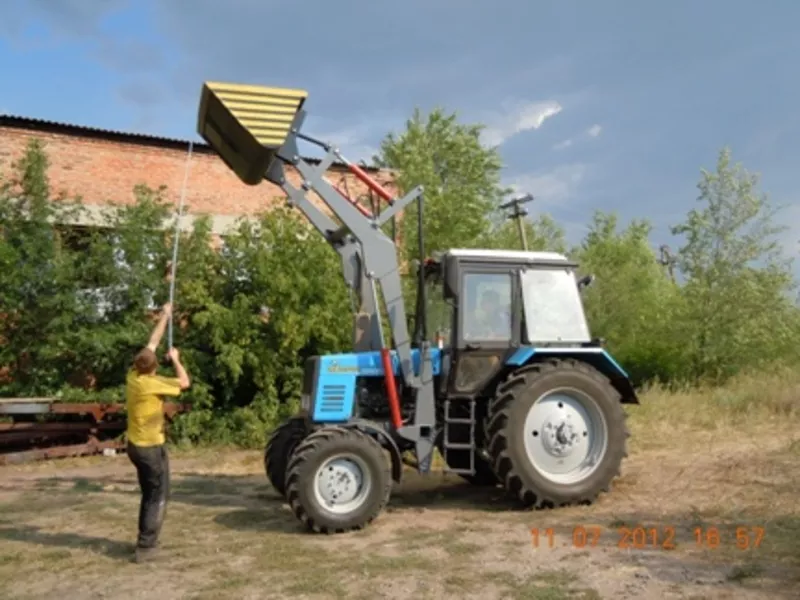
121	282
38	299
280	299
738	309
462	189
542	233
632	302
461	180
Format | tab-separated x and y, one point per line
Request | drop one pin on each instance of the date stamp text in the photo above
648	538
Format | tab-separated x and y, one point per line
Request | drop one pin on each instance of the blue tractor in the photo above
513	391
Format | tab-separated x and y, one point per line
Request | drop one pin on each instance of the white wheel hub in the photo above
342	483
566	435
559	438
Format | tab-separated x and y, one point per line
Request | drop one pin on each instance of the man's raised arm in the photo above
158	330
183	376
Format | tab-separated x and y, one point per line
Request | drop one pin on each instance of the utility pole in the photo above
519	212
667	260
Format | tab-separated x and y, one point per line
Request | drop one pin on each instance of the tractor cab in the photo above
488	307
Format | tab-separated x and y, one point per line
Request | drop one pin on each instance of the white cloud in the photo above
595	130
562	145
517	118
550	187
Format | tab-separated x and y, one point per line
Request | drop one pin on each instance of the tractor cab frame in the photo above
502	300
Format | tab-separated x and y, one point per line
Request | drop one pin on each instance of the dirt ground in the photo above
66	528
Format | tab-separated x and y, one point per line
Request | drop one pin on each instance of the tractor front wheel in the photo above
338	480
281	444
557	433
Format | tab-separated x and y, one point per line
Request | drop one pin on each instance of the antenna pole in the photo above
517	214
667	260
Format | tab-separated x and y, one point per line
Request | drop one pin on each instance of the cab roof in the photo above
509	255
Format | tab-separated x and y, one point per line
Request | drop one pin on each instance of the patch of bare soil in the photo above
713	518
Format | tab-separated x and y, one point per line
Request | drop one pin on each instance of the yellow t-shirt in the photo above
145	406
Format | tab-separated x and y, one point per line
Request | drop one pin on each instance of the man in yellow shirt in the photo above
146	447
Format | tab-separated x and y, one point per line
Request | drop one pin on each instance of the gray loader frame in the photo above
369	258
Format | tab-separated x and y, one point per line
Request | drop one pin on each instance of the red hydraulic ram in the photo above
391	388
386	358
367	180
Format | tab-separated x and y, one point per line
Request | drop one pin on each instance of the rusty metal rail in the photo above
43	428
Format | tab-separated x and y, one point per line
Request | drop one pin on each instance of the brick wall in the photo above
104	167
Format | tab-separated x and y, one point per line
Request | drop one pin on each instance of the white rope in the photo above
175	246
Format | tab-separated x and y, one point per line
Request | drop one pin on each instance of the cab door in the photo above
486	326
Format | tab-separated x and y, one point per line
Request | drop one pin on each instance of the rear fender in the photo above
597	357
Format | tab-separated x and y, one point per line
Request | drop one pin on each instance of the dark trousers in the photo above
152	469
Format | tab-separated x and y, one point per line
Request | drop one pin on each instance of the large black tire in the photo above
305	469
506	430
281	444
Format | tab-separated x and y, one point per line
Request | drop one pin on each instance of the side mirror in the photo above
585	281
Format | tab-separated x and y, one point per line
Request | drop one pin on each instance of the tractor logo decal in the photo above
335	368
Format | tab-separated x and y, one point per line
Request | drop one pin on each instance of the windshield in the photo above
553	307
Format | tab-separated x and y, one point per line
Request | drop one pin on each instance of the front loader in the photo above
514	394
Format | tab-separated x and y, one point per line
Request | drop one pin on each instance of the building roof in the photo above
44	125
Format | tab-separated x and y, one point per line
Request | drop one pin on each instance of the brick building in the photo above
103	167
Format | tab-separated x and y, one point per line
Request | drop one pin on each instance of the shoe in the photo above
145	554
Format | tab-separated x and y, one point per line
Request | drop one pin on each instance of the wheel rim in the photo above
342	483
566	435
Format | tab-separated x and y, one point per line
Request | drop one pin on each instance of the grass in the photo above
721	458
746	403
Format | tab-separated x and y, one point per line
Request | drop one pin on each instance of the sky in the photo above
613	105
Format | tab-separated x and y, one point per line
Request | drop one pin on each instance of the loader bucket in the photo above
247	124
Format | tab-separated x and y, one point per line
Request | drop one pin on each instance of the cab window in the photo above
486	313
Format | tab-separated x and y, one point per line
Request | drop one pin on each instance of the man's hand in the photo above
166	310
183	376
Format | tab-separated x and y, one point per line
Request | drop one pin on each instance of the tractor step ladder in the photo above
458	446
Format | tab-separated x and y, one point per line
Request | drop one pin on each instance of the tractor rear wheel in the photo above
338	480
557	433
281	444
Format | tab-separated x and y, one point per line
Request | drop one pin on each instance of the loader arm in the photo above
366	334
255	130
